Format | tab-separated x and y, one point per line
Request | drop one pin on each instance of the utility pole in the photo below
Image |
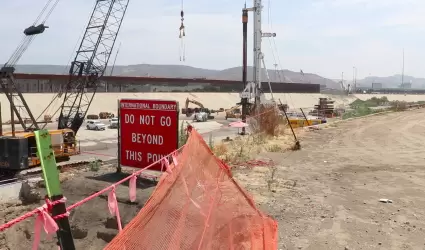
244	100
276	73
354	84
402	72
1	122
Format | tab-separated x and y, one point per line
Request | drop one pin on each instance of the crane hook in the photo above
182	34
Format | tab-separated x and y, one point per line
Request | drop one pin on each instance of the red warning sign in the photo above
148	131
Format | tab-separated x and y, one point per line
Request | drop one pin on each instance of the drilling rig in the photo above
17	149
252	94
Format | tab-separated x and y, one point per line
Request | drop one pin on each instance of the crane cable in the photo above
52	108
182	34
27	39
273	47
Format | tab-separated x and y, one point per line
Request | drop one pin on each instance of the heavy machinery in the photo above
189	111
233	112
48	118
90	61
17	148
325	108
200	114
106	115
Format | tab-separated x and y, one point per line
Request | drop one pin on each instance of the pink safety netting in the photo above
198	205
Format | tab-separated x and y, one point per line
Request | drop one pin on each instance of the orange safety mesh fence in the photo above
198	205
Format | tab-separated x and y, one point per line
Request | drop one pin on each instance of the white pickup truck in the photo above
113	122
200	116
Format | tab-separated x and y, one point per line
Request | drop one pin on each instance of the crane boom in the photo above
91	61
18	104
8	85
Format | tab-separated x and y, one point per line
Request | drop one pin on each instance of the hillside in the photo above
392	81
181	71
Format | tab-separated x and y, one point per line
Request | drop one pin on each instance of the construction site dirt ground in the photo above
324	196
327	195
92	224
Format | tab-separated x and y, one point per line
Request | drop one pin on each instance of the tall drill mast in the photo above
90	61
254	88
258	55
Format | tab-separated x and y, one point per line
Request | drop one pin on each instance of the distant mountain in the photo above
181	71
392	81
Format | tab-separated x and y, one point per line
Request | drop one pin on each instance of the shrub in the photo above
182	135
95	165
266	119
211	142
399	105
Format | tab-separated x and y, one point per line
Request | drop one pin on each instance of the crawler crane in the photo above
17	148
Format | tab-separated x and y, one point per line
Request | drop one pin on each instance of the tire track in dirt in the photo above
340	175
381	138
379	160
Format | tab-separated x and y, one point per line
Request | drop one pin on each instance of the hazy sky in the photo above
326	37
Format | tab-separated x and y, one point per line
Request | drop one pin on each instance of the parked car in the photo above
95	125
113	122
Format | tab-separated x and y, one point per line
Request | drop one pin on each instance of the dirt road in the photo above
326	196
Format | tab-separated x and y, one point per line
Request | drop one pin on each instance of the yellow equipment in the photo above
233	112
106	115
302	122
188	111
64	145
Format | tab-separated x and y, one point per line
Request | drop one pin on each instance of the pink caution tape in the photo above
174	155
43	219
49	224
132	188
113	207
165	163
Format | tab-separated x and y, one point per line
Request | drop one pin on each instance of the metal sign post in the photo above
1	122
119	169
51	179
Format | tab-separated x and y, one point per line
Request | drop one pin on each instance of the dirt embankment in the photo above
326	196
92	224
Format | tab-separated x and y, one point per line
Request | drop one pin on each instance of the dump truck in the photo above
106	115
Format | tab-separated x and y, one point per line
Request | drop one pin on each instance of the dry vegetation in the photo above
266	120
269	133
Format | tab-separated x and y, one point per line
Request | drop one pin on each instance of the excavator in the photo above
18	151
233	112
200	114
